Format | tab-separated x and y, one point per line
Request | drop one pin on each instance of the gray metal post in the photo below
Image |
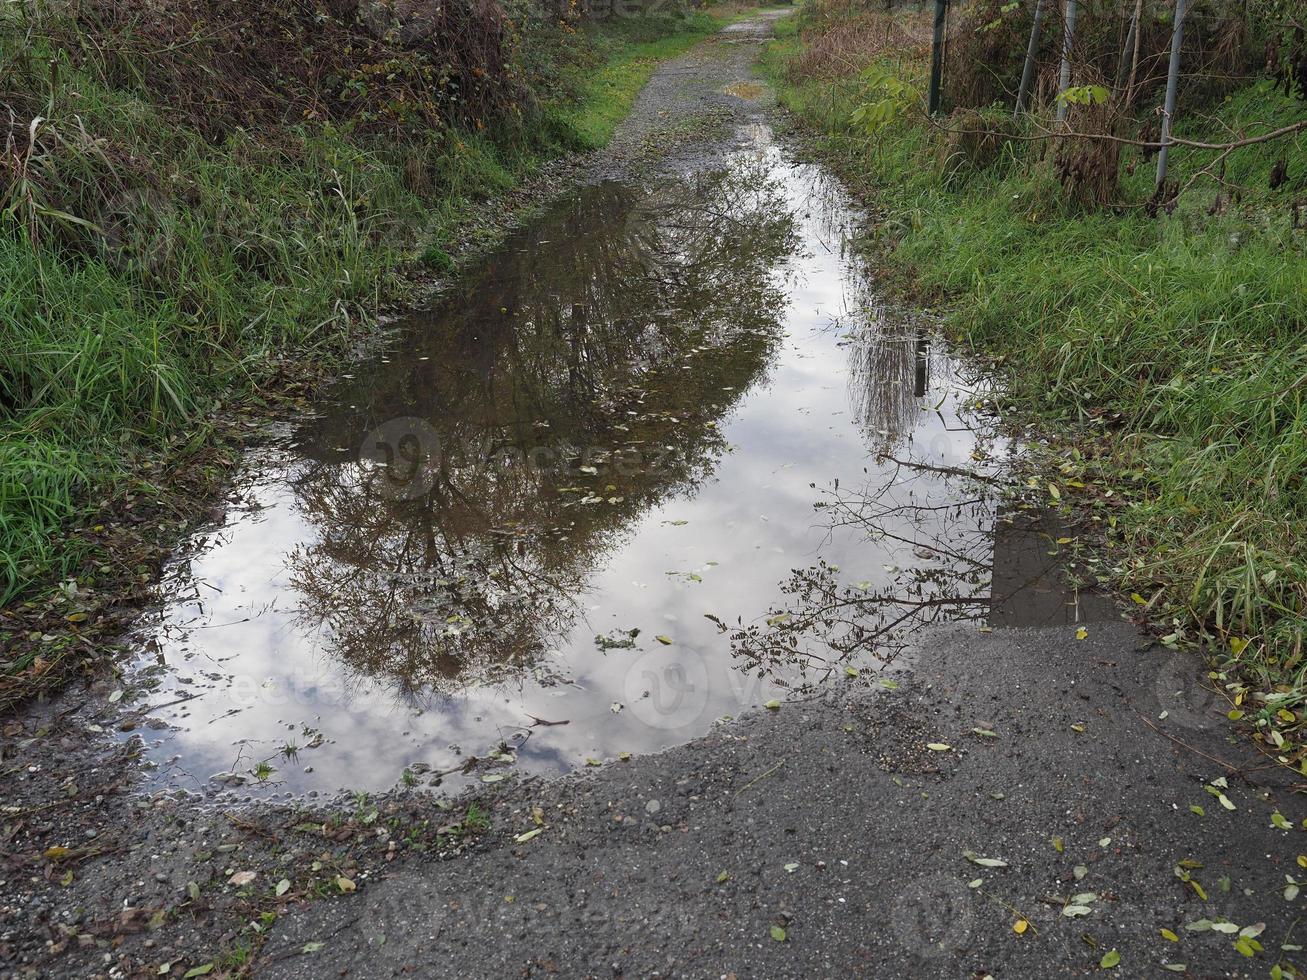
937	56
1128	50
1068	37
1172	82
1028	72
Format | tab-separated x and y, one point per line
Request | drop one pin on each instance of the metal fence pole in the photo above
1028	72
1068	38
1172	82
937	56
1128	51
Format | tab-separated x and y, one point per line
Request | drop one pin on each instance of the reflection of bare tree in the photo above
974	557
574	384
919	511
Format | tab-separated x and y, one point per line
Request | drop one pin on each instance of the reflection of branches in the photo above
946	470
946	535
553	384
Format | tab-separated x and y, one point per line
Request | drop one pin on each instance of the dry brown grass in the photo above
842	39
383	65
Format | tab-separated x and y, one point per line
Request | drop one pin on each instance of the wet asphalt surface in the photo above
824	838
835	822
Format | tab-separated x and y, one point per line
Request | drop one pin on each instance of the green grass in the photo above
148	276
632	49
1170	353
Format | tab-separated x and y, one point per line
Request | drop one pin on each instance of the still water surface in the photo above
662	457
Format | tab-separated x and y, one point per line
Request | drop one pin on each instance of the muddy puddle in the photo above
662	458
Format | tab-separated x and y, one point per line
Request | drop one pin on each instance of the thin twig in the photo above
758	779
1235	770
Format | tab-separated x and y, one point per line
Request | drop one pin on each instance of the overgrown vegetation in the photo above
195	196
1167	346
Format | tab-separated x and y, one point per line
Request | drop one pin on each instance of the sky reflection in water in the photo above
668	413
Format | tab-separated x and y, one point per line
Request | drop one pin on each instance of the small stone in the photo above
652	807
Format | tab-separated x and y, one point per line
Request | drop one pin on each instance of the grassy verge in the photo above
158	273
1167	354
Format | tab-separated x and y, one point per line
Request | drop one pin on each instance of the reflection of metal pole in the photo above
1028	72
1064	76
1172	81
922	380
937	55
